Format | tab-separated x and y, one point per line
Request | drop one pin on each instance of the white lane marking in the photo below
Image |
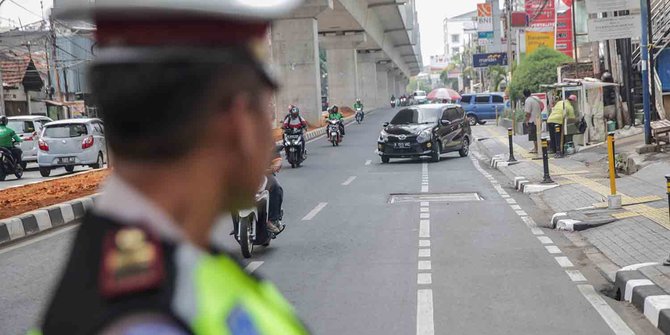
530	223
504	196
424	216
515	207
633	283
368	162
425	265
511	201
653	306
521	213
253	266
424	279
552	249
314	211
424	312
424	243
536	231
545	240
38	239
425	204
424	189
424	253
575	275
349	180
606	312
425	209
424	228
564	262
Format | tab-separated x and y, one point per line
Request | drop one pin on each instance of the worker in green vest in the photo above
185	95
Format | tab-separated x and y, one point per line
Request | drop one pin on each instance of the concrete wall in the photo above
295	52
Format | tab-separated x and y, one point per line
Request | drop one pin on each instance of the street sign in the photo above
484	17
485	38
611	28
602	6
490	59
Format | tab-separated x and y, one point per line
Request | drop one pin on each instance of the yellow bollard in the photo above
610	153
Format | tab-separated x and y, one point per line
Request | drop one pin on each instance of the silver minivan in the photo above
69	143
29	128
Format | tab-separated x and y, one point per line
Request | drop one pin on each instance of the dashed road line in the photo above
424	253
424	312
424	209
536	231
545	240
564	262
424	243
314	211
424	229
521	213
425	265
253	266
424	216
368	162
349	181
575	275
424	278
552	249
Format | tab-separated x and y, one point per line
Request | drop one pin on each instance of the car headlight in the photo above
384	136
425	136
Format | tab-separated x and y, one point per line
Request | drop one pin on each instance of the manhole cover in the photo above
434	197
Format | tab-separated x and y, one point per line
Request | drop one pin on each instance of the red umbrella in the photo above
443	94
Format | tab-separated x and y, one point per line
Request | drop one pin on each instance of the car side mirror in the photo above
445	122
386	124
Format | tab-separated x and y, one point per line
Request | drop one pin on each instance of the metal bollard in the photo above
613	200
559	141
510	134
667	183
545	162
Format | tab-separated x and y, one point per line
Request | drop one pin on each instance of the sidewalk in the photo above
639	233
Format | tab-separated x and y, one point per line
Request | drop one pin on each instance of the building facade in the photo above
456	32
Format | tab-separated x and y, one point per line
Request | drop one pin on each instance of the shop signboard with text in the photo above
489	59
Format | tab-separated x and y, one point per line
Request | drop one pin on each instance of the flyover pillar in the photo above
390	75
383	96
342	63
367	79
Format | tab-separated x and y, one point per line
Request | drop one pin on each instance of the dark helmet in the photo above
334	109
295	111
3	120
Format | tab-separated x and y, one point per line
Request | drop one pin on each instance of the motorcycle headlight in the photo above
425	136
383	136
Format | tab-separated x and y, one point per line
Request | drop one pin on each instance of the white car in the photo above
420	97
68	143
29	128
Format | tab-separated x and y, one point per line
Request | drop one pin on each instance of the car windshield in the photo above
17	126
419	93
409	116
65	130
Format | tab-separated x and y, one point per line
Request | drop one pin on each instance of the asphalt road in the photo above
32	175
353	263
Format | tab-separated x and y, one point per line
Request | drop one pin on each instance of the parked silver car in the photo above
29	128
68	143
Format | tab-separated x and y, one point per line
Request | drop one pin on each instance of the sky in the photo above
11	11
431	13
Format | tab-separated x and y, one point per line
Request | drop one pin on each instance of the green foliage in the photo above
497	74
536	68
423	85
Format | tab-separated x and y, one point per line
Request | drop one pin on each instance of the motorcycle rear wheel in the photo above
246	244
19	172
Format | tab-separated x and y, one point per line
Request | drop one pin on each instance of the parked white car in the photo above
420	97
69	143
29	128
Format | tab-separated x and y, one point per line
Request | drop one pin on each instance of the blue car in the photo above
484	106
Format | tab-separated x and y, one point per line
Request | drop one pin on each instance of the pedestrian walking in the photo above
562	110
185	94
533	109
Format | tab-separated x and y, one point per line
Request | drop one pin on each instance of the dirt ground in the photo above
15	201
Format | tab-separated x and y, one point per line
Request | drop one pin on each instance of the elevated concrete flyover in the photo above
372	48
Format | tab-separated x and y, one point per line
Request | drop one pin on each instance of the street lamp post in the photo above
644	51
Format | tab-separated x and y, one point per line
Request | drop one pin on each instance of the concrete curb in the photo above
562	221
650	299
43	219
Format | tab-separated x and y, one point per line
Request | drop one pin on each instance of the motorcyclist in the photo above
276	195
334	114
358	104
7	139
294	121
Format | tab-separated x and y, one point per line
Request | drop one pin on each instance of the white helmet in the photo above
259	10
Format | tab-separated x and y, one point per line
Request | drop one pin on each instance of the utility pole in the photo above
59	96
644	52
2	88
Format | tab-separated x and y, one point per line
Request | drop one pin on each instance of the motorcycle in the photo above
250	224
9	165
393	103
359	115
294	146
403	102
334	133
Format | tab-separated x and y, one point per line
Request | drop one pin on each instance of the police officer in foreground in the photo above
185	95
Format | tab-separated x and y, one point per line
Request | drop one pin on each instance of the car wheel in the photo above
69	168
386	159
45	172
98	162
472	120
466	148
437	152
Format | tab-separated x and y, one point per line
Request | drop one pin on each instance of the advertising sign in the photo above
602	6
564	28
484	17
541	14
536	39
610	28
490	59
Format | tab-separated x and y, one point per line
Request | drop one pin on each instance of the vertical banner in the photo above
541	25
564	28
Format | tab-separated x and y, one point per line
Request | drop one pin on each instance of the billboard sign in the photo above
490	59
611	28
564	28
541	15
536	39
484	17
602	6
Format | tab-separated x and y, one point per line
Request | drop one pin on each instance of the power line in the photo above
26	9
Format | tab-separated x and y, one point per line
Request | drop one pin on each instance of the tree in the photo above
497	74
423	85
536	69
